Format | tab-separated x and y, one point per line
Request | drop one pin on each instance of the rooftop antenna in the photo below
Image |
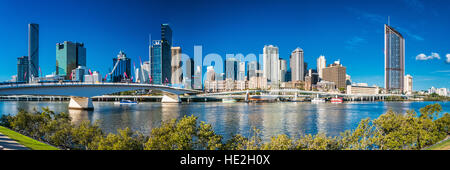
389	20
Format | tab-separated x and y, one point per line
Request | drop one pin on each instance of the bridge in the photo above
81	93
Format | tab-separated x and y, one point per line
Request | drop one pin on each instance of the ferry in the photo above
337	100
317	100
126	102
228	100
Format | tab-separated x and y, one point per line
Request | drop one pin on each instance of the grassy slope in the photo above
444	145
25	140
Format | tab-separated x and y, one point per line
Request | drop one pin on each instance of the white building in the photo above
283	70
94	78
177	72
241	71
271	66
297	65
408	89
442	91
321	63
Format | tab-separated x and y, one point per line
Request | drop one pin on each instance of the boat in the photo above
317	100
228	100
126	102
337	100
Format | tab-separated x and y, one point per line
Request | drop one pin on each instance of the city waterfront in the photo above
291	118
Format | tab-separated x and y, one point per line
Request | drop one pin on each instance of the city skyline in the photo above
424	59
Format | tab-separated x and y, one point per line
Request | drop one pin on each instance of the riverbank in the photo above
25	140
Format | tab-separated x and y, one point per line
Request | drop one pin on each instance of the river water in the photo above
227	119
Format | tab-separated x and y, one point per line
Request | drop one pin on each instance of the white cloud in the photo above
425	57
448	58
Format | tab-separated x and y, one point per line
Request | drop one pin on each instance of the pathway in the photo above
9	144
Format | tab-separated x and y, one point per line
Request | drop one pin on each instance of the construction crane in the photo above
119	57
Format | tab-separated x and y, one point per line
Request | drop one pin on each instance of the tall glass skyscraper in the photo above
33	50
297	65
22	69
394	57
69	56
161	57
122	70
231	68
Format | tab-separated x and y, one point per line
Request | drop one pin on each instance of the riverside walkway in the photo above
10	144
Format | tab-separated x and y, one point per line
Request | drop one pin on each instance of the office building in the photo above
251	69
283	70
33	50
297	65
271	67
363	90
408	84
335	73
68	57
22	69
321	64
177	71
231	68
198	78
394	57
189	77
121	68
161	57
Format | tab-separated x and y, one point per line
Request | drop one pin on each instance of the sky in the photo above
347	30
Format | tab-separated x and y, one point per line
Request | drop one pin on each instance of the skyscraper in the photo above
22	69
198	78
231	68
297	65
251	69
271	66
68	57
177	72
161	57
33	50
241	71
321	63
189	77
394	57
122	68
283	70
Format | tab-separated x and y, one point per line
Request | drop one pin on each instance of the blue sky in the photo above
349	30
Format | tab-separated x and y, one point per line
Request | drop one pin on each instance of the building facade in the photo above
335	73
365	90
189	77
394	57
161	57
69	56
297	65
231	68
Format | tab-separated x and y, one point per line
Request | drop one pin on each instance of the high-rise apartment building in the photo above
271	66
251	69
177	72
297	65
33	50
394	58
321	63
68	57
22	69
335	73
198	78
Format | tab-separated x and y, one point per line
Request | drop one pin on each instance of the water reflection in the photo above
272	119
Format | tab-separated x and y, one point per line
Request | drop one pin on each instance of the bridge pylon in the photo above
170	98
81	103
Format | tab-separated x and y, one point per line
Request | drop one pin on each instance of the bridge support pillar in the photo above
81	103
171	98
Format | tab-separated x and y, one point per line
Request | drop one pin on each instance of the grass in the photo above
25	140
444	145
